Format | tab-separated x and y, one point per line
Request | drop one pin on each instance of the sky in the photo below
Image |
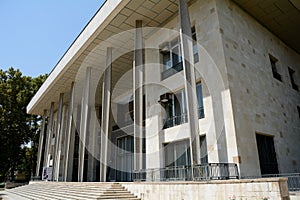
34	34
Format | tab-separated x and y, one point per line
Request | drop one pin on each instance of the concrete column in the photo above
92	157
84	124
138	73
56	156
61	145
69	132
190	82
49	136
41	144
105	118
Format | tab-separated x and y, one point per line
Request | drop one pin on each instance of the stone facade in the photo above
241	98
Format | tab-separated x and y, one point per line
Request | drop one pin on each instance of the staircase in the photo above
72	190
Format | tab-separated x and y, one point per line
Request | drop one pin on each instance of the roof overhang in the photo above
281	17
113	17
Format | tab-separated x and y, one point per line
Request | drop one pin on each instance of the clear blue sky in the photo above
34	34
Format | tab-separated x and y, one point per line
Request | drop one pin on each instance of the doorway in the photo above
267	154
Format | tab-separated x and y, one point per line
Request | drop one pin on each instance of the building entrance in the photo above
124	158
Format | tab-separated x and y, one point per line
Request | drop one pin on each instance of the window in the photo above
171	55
298	108
195	46
171	58
294	85
125	158
203	149
177	154
200	100
273	61
176	110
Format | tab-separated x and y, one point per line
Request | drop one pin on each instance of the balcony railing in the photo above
209	171
171	71
181	119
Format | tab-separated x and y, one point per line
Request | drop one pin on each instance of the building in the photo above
151	88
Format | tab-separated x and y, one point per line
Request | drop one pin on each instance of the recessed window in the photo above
298	108
292	74
175	107
171	55
274	61
195	46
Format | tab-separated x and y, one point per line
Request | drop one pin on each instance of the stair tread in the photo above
73	190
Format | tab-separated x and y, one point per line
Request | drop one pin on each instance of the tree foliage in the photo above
17	128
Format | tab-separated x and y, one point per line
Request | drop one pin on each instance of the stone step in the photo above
72	191
31	195
43	195
55	194
74	194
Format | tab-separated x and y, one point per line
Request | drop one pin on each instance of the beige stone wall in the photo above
275	188
261	104
218	124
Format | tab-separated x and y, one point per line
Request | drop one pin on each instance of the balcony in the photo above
181	119
171	71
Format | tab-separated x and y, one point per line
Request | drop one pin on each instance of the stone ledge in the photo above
229	181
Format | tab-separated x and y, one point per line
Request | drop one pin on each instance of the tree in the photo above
17	128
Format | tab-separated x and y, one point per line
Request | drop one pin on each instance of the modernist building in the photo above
159	86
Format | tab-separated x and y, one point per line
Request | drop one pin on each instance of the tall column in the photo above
138	73
56	156
49	136
190	82
41	144
61	145
69	133
84	124
105	118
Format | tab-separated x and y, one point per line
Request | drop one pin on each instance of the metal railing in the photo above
171	71
209	171
175	120
181	119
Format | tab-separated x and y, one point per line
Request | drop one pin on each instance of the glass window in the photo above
177	154
176	111
171	55
195	47
200	100
203	149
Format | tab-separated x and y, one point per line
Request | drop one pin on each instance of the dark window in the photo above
171	55
273	61
203	149
267	154
175	107
200	100
195	47
294	85
298	108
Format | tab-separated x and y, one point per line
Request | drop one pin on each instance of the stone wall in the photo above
274	188
261	104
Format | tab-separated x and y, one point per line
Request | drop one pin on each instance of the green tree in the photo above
17	128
